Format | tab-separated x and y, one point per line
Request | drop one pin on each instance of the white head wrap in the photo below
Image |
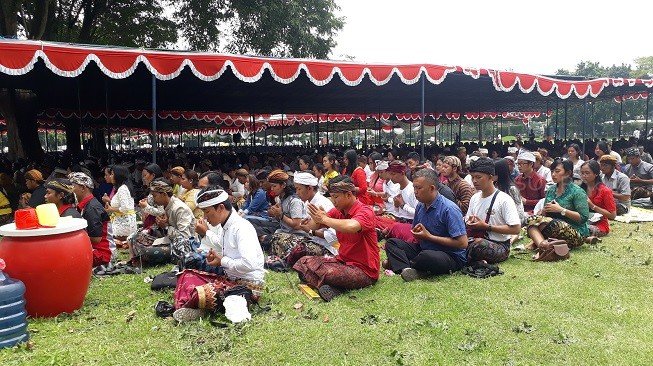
512	150
526	155
381	165
483	151
304	178
221	197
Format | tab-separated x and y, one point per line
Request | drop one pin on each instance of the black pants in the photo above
403	255
264	227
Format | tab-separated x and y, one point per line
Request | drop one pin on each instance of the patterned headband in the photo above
341	187
160	186
59	186
81	179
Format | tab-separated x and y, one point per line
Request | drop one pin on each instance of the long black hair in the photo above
504	180
306	159
121	176
352	161
603	146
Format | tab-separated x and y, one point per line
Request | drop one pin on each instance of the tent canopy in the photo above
75	77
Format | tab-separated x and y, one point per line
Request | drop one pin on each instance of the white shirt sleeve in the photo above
213	240
248	255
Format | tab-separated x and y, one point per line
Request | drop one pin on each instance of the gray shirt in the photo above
619	183
643	170
293	207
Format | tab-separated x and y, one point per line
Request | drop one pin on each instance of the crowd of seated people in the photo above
229	214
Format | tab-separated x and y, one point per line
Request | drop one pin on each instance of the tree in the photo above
644	67
301	28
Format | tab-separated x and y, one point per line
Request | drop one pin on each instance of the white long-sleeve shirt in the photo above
392	189
410	202
237	188
242	256
329	234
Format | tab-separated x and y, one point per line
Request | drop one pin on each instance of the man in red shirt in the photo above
357	263
531	186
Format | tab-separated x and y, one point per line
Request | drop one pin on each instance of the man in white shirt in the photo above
288	248
390	189
492	217
237	248
306	186
238	253
541	170
404	202
238	184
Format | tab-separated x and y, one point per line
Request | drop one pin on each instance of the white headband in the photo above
223	196
306	179
381	165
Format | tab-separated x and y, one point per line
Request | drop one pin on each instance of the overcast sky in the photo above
524	36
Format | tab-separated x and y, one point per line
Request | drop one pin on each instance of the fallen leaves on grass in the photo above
524	327
298	306
563	338
474	341
398	357
370	319
130	316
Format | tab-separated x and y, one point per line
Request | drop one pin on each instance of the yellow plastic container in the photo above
48	214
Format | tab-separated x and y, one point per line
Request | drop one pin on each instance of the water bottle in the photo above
13	317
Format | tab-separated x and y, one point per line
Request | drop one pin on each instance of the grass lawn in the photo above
592	309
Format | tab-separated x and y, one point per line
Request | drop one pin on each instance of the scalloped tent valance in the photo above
94	78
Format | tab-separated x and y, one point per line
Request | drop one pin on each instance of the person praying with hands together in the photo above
439	229
357	263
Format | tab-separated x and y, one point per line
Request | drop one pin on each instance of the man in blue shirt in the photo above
439	229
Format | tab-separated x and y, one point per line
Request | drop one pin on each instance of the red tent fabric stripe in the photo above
19	58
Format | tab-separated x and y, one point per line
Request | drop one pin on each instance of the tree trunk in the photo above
19	109
98	147
73	142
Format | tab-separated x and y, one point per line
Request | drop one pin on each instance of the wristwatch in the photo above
311	232
563	212
489	228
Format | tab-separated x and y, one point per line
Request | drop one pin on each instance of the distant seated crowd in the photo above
328	216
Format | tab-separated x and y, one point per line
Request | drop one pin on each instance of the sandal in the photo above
328	293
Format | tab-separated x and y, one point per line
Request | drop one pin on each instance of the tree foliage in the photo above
299	28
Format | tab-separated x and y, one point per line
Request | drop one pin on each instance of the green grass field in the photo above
592	309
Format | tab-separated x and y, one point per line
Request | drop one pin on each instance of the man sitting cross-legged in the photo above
239	254
492	216
439	229
357	263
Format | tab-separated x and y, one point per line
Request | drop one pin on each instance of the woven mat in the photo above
636	214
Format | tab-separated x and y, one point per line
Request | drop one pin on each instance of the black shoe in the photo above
164	309
327	293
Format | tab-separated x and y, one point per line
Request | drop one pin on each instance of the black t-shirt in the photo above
71	212
38	197
446	192
95	216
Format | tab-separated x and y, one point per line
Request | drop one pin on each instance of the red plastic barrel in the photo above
56	270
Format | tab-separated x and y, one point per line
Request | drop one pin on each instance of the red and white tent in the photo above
241	93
